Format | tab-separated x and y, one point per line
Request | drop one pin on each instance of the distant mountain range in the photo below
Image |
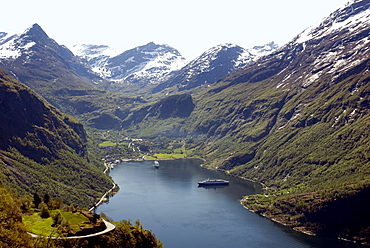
140	66
147	68
162	66
212	65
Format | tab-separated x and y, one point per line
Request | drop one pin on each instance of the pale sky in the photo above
191	26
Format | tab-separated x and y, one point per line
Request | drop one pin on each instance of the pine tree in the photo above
36	200
46	199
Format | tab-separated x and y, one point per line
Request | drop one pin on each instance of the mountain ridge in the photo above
143	65
163	65
212	65
42	64
40	146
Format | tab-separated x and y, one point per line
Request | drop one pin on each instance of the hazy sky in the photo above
190	26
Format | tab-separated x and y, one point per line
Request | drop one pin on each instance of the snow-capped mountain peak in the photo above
96	56
146	64
35	31
226	52
32	56
233	53
214	64
339	43
13	45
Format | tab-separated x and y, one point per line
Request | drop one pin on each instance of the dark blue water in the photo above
169	202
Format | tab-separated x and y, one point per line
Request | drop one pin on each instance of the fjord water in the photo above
169	202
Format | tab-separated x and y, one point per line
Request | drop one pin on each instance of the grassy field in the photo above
110	143
37	225
163	156
43	226
107	143
74	219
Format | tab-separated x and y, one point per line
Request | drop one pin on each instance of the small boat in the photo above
213	182
156	164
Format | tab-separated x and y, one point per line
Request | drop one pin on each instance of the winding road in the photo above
106	193
109	227
102	198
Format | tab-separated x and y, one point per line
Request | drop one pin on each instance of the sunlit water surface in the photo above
169	202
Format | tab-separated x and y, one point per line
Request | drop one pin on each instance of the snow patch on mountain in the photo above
159	67
89	51
202	63
96	56
213	65
13	45
353	15
241	56
263	50
255	52
343	39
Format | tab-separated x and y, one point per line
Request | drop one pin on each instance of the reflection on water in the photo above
169	202
213	186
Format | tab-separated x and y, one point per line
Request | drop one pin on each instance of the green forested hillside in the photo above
274	130
13	232
43	150
309	148
165	117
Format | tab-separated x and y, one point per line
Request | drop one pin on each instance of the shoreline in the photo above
107	168
103	198
309	233
278	221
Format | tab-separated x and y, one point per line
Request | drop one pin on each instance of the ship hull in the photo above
213	183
